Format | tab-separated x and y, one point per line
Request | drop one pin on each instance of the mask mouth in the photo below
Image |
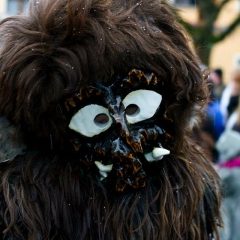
103	169
129	165
120	164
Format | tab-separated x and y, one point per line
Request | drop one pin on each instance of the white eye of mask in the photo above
141	105
91	120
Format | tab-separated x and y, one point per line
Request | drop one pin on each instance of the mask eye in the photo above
101	119
132	109
91	120
141	105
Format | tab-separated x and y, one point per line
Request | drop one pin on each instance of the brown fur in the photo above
47	54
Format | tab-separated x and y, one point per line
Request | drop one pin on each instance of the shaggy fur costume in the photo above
46	190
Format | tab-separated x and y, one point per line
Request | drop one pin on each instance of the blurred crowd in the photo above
220	136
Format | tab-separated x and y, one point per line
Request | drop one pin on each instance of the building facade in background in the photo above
12	7
225	55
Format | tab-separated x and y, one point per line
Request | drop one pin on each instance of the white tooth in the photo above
149	157
157	154
103	174
103	168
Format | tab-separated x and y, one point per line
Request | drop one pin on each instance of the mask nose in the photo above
122	127
131	138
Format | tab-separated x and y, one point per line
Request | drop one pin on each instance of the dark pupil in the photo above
131	109
101	118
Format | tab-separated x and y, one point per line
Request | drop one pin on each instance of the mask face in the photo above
117	127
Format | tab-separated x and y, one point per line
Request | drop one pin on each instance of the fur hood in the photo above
10	147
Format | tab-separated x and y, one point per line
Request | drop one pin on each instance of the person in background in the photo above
230	95
234	120
230	176
216	76
212	125
228	147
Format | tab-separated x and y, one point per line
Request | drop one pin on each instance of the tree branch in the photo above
228	31
222	4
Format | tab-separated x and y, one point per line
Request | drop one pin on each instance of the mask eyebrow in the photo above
82	97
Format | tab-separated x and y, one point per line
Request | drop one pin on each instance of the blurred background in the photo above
215	29
11	7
